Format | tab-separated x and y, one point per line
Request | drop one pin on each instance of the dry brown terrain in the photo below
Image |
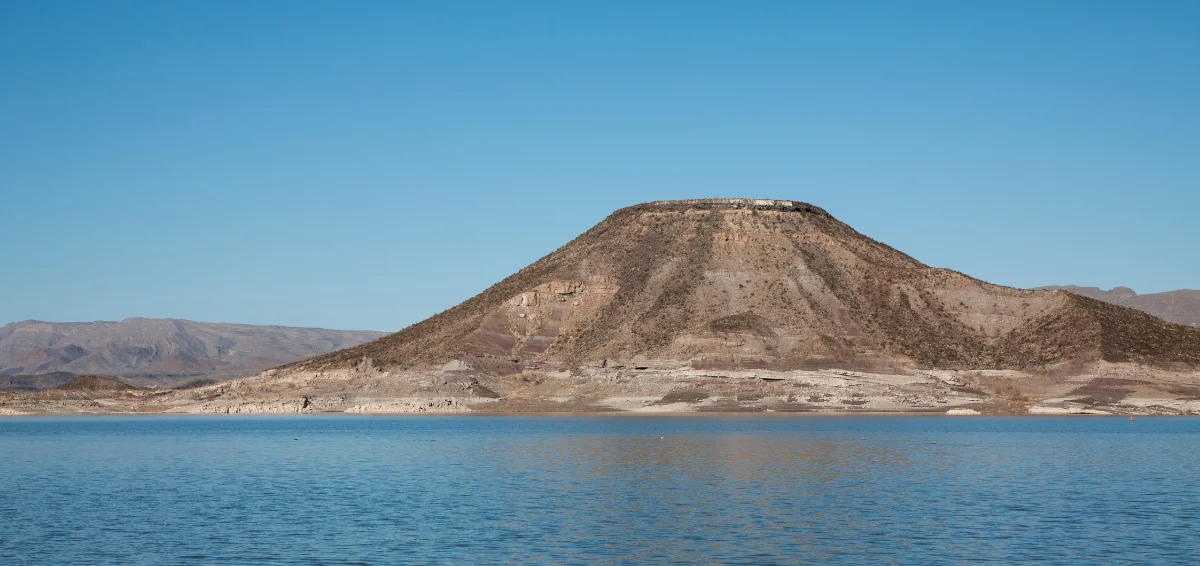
1100	388
736	304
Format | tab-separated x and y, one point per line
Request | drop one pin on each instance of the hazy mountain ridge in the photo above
146	351
35	382
1181	306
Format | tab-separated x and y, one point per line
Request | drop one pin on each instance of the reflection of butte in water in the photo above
722	489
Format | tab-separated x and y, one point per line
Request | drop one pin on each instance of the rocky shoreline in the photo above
655	388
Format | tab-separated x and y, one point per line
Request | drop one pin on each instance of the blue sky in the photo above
367	164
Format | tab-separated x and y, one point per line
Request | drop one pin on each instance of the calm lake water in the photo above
390	490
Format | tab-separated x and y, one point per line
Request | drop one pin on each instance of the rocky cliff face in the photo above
1180	307
158	351
779	285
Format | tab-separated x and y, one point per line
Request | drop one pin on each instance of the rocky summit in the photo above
742	304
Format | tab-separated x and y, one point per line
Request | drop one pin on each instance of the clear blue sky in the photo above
367	164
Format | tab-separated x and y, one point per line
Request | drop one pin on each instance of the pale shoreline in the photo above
583	414
1108	389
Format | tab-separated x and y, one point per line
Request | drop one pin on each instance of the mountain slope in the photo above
1181	306
160	351
35	382
739	283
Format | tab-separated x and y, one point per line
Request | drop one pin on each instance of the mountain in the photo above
725	305
738	283
1180	307
155	352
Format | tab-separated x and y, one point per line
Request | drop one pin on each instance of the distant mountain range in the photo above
1180	307
159	352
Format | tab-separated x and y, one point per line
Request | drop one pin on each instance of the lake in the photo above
454	490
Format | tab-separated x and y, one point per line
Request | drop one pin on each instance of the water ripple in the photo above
597	490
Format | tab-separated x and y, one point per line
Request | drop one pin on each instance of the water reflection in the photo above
597	490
